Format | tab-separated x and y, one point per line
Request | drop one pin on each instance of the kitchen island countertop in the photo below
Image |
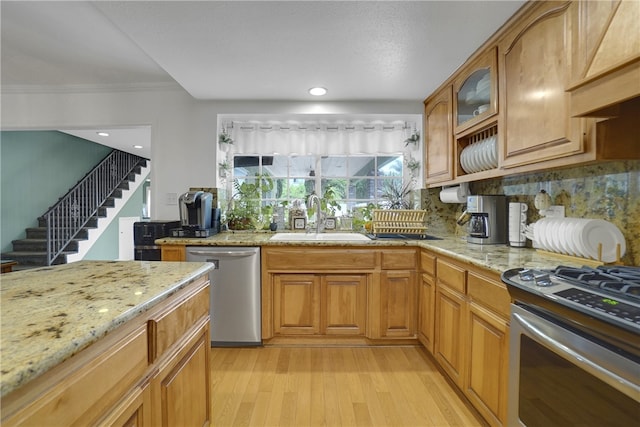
51	313
497	258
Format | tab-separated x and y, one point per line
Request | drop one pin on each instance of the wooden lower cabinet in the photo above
325	304
471	339
450	336
344	311
487	353
133	411
398	304
137	375
173	253
341	292
180	390
296	304
426	312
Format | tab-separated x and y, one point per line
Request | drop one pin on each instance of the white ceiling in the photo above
245	50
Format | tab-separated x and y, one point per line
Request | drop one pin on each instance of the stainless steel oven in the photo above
574	356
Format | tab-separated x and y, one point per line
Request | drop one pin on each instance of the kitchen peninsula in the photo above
107	343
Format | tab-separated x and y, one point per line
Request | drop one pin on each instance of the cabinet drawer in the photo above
305	259
452	275
428	263
168	326
398	259
491	293
80	395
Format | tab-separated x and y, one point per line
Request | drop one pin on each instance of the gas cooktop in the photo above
610	293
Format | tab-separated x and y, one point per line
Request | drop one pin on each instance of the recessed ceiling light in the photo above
137	147
102	133
318	91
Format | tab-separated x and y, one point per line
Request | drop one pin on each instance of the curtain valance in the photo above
319	138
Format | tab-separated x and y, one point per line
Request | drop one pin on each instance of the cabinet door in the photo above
181	390
296	304
606	61
133	411
475	92
535	59
344	304
439	137
450	332
173	253
397	304
426	311
486	383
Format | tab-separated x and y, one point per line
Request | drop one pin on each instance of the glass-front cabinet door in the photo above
475	94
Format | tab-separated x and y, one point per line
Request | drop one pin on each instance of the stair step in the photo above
34	259
40	245
41	233
92	223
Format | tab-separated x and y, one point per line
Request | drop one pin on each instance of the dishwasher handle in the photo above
222	254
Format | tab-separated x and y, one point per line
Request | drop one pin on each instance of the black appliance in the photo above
197	231
145	234
574	348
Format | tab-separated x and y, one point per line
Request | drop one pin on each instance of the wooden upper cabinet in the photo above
439	137
535	59
475	92
606	61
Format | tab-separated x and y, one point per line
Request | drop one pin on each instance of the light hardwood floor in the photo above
333	386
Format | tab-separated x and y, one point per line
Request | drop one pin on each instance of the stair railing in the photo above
70	214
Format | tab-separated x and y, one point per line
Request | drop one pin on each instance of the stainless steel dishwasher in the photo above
235	294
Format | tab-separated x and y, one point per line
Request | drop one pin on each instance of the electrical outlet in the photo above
172	199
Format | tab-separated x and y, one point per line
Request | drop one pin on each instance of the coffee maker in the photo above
488	219
195	214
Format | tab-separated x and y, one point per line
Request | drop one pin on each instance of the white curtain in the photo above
300	138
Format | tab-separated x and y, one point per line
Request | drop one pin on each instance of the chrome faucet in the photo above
313	198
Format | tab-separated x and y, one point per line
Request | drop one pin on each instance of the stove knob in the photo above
543	280
526	275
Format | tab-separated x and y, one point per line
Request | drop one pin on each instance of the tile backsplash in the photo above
608	190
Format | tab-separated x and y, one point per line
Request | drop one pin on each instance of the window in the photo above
355	180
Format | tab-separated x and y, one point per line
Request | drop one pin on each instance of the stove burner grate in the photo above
622	281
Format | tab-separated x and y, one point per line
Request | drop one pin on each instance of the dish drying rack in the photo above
591	262
586	261
399	221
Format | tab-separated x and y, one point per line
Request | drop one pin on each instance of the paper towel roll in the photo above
453	195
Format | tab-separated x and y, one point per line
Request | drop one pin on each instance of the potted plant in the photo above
224	140
223	169
397	195
412	140
246	205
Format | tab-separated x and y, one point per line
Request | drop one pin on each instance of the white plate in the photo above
486	164
569	247
494	152
553	232
541	233
563	242
599	231
577	232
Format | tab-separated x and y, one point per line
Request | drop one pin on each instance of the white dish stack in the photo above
479	156
586	238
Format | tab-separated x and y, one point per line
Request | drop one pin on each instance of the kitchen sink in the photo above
319	237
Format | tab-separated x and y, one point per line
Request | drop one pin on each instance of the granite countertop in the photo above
497	258
51	313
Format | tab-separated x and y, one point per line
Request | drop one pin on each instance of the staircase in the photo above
61	229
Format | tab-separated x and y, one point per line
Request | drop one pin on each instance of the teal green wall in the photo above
107	247
36	168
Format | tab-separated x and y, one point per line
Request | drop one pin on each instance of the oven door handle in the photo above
582	359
